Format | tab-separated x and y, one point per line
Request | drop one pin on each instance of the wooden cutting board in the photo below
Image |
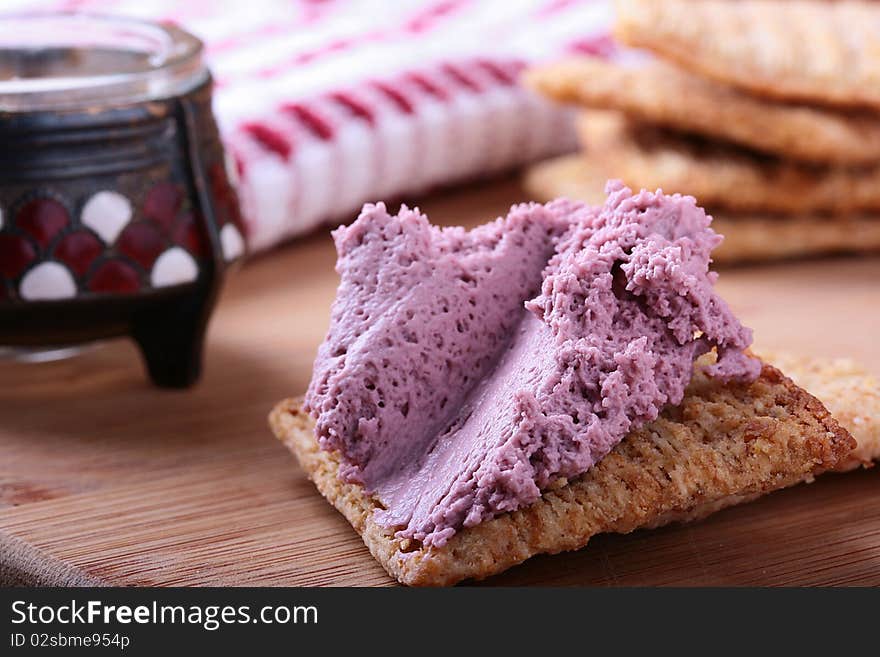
106	480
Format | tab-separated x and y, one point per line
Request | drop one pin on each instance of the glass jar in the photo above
117	215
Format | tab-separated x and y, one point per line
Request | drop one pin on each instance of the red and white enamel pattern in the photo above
114	245
48	280
326	105
106	213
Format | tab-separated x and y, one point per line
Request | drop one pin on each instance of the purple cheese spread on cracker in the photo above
466	371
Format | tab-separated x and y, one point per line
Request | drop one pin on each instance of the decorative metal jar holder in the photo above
117	216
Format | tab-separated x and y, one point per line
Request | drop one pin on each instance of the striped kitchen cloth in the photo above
327	104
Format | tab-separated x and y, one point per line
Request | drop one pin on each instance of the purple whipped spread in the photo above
454	399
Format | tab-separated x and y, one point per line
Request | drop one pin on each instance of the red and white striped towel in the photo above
327	104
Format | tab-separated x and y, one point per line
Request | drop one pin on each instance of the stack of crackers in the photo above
767	111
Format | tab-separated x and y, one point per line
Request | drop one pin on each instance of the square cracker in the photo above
722	175
808	50
748	237
723	445
658	93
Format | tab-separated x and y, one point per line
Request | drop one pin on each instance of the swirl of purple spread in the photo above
454	398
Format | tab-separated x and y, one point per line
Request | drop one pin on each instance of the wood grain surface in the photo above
106	480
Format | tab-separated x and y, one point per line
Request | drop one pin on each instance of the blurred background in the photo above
327	104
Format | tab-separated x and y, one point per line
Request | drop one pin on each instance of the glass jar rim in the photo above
168	62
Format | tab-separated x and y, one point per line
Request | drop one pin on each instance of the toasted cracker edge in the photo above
748	237
817	51
683	479
659	93
722	174
849	392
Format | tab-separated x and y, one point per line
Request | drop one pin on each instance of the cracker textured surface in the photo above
849	392
748	237
655	92
724	444
815	50
721	175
